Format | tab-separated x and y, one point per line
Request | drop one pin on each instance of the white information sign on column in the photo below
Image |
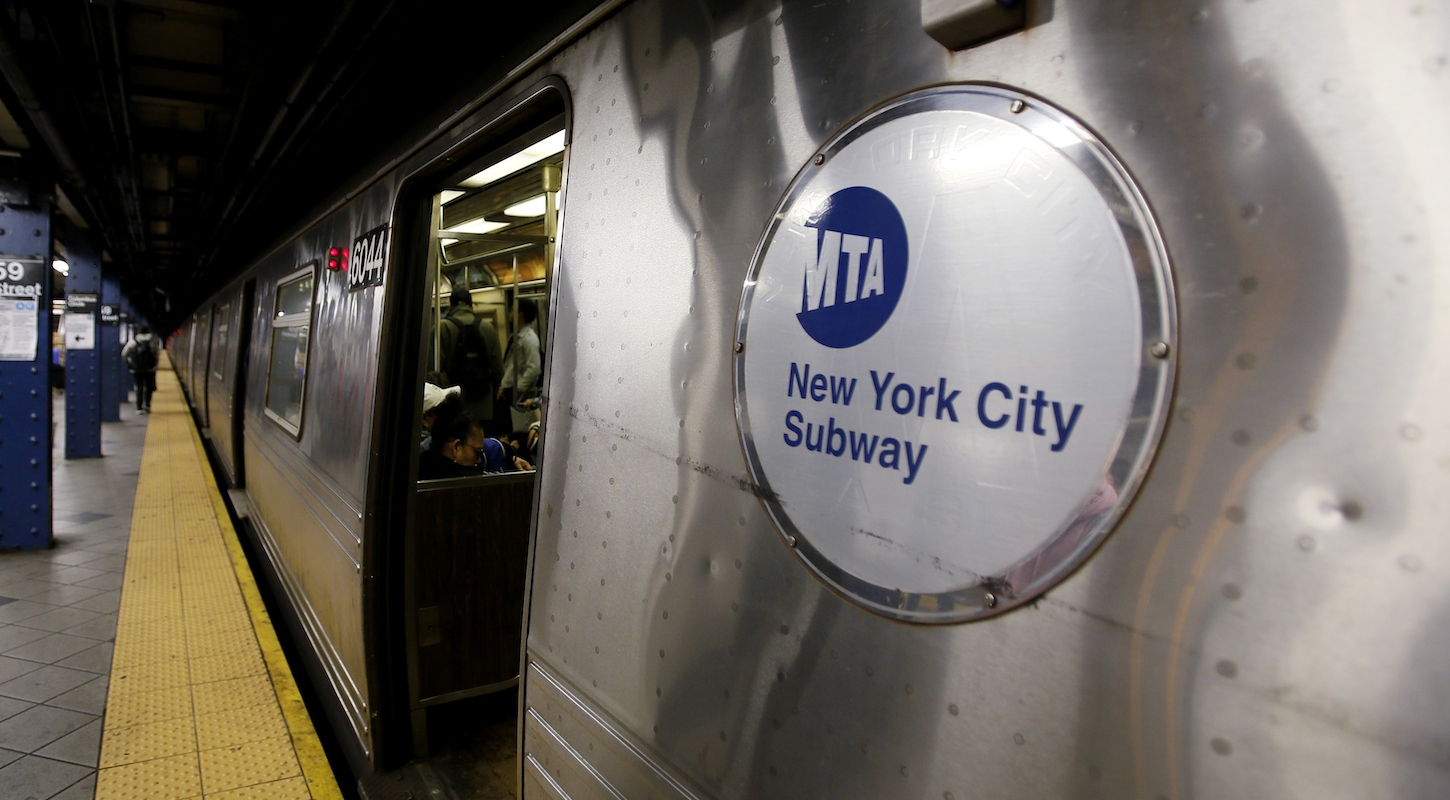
80	320
956	348
80	331
21	291
19	329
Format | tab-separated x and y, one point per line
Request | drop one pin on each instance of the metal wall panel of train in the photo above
307	489
1268	619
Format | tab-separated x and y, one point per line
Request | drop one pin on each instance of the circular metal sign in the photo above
955	350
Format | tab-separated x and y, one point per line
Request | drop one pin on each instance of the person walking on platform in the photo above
141	357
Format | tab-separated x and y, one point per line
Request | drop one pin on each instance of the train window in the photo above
291	327
492	247
220	326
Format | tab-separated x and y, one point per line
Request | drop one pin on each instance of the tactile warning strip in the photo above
201	703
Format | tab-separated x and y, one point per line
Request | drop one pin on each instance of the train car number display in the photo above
367	259
954	353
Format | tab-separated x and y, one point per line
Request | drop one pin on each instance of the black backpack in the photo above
469	366
142	357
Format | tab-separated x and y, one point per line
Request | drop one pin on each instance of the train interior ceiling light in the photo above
498	215
508	205
533	208
479	225
527	157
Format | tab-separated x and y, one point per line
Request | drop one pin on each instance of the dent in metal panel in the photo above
1295	217
1267	620
723	605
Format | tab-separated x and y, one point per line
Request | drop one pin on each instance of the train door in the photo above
237	397
483	344
211	365
197	363
181	363
218	399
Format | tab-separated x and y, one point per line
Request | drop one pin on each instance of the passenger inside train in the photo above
454	442
470	357
492	225
455	450
523	370
493	229
438	402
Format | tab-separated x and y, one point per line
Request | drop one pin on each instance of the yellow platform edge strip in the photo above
315	768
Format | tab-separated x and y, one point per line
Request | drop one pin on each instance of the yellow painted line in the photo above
315	767
201	702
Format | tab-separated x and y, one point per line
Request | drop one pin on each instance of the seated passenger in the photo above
438	402
524	447
455	449
499	455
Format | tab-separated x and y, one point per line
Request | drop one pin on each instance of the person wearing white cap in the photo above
437	402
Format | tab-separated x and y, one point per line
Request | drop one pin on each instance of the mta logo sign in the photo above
853	279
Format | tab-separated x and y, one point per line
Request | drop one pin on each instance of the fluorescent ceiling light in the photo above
60	266
479	225
447	242
449	195
532	207
526	157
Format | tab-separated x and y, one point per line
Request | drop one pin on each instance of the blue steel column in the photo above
114	377
25	385
82	365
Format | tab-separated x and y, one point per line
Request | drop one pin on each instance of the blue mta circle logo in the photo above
854	277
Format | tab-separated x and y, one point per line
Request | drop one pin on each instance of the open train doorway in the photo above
491	240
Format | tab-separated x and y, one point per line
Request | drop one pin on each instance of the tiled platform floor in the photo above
201	701
58	620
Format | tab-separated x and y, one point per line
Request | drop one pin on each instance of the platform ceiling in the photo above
185	137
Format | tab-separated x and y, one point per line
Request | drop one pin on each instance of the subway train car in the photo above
1032	399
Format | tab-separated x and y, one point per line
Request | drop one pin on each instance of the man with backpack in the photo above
141	357
470	356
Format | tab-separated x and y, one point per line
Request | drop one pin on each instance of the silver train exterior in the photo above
1268	618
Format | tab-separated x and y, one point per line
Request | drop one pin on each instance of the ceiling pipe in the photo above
129	143
247	194
286	146
45	128
227	219
121	135
287	105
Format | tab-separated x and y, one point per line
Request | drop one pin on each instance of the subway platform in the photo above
136	657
